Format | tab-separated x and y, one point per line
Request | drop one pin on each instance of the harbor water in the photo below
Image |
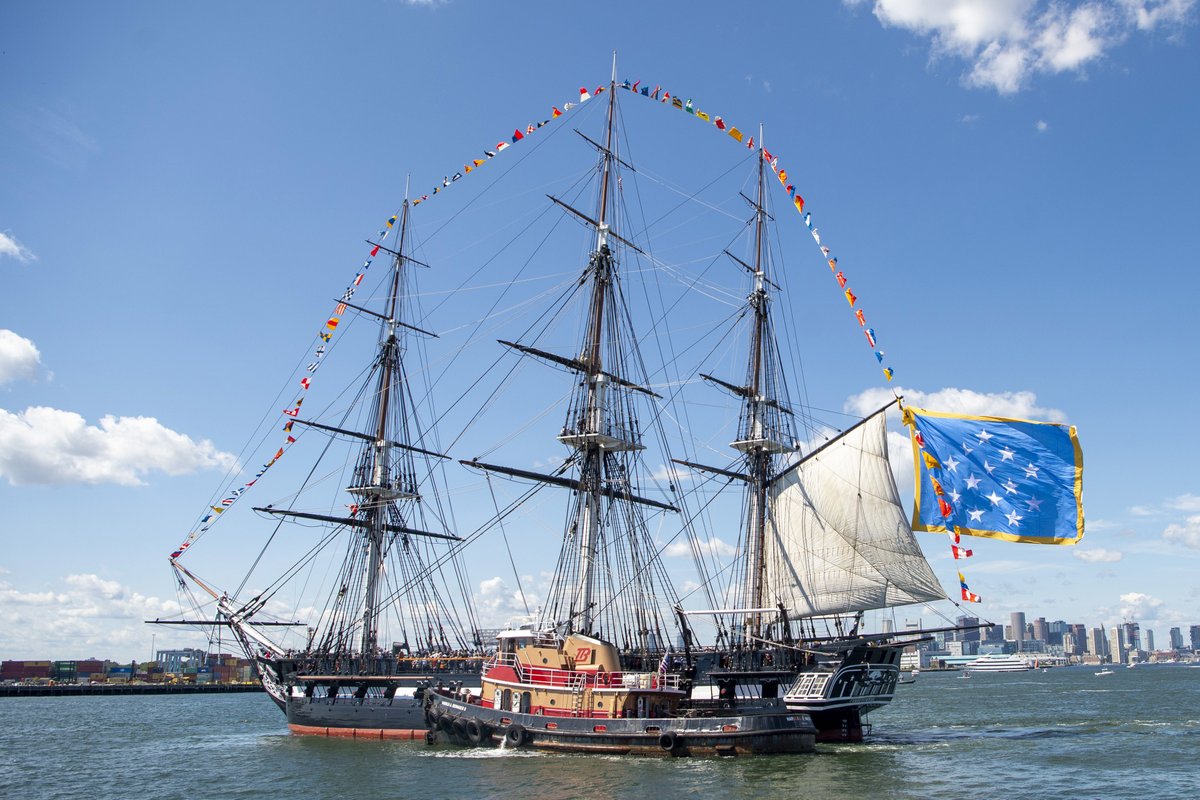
1060	732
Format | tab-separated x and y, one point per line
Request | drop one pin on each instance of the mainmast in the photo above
608	582
590	440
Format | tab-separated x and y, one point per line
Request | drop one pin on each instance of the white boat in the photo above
1105	672
997	663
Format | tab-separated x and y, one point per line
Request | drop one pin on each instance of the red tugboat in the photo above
571	694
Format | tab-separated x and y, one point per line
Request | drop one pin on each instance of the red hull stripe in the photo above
359	733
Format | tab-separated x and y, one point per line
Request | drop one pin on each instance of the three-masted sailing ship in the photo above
396	613
612	661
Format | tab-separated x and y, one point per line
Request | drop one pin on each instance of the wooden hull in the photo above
356	710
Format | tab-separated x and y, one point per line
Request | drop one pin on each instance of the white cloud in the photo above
1149	14
87	616
1188	503
498	605
19	357
1135	605
1097	555
1041	126
1187	534
1185	502
49	446
1008	43
1021	405
673	474
715	547
10	247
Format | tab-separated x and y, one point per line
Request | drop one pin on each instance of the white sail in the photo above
837	539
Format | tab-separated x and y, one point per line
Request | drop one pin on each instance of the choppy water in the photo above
1061	733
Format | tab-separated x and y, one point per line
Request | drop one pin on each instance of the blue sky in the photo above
183	189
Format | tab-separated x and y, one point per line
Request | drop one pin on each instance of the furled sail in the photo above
837	539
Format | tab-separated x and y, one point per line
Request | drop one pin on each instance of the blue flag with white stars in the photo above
1010	479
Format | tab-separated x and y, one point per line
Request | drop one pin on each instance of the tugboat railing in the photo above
578	679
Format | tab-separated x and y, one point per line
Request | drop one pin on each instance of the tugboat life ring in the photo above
515	735
668	741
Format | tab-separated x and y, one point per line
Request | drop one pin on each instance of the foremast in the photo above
383	564
380	480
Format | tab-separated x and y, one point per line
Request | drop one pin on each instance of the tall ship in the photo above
362	544
720	548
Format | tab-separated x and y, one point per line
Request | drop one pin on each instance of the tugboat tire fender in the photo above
460	728
515	735
474	732
668	741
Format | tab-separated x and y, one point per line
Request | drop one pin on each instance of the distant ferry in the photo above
997	663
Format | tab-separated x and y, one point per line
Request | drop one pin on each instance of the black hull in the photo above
840	726
839	704
769	729
837	694
360	708
400	717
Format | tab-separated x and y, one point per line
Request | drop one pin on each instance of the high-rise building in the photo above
1040	630
971	635
1176	639
993	634
1116	644
1097	644
1018	628
1195	636
1133	638
1149	640
1081	633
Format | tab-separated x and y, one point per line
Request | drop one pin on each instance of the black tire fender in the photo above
460	728
668	741
515	735
474	732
